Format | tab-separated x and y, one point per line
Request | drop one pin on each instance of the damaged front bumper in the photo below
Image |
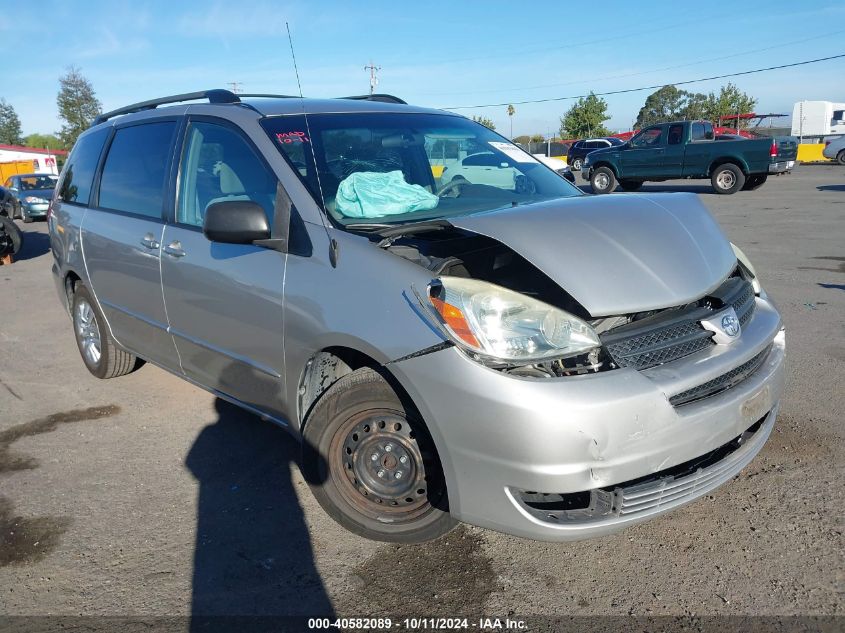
570	458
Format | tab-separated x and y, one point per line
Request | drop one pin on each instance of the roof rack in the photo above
213	96
378	97
267	96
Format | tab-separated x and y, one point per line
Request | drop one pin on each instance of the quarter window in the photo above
81	165
219	166
136	169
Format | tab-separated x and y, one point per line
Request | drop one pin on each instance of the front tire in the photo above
603	180
371	464
840	157
11	237
99	352
727	179
27	219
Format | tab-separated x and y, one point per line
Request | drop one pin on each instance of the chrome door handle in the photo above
149	241
174	249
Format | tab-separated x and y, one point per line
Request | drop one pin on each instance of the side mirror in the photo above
235	222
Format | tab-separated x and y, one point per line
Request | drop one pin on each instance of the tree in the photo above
730	100
511	112
43	141
537	138
665	104
10	124
670	104
522	139
694	106
585	118
78	105
484	121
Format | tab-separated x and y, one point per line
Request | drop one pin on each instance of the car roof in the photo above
223	102
295	105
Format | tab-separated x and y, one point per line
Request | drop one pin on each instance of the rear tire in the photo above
603	180
840	157
11	237
371	464
576	164
99	352
727	179
755	181
631	185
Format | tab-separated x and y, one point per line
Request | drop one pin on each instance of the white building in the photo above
44	160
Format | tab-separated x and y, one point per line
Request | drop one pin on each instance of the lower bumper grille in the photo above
721	383
655	493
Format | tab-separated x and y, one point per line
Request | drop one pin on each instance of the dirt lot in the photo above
145	495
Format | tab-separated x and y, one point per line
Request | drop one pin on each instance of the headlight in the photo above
746	264
35	200
505	326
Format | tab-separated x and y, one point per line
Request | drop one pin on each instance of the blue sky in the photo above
432	53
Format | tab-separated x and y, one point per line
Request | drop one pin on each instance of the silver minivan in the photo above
509	352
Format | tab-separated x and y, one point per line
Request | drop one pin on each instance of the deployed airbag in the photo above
368	194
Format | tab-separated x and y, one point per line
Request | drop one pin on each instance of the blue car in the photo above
31	195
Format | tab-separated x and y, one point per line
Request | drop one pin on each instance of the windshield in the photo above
32	183
402	167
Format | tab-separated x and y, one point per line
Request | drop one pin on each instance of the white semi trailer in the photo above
817	119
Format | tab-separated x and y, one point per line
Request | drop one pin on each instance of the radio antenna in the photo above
333	247
295	69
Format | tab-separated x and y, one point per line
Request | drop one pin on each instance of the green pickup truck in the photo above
688	149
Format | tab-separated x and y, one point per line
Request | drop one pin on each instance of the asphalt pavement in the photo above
144	495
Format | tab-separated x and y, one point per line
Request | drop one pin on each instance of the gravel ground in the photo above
146	496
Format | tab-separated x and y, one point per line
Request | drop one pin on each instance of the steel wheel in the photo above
371	463
87	332
725	179
383	468
602	181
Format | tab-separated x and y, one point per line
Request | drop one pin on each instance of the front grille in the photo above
675	333
721	383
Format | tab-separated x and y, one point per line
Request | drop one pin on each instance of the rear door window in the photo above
135	170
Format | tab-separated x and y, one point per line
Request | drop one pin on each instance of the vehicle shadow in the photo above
656	188
833	286
253	559
35	244
649	188
831	188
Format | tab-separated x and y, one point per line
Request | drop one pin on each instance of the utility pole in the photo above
235	86
373	78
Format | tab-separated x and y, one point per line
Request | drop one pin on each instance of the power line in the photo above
646	72
654	87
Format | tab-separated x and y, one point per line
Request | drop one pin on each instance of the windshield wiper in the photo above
393	233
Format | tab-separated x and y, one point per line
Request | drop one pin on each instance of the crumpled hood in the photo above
617	254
